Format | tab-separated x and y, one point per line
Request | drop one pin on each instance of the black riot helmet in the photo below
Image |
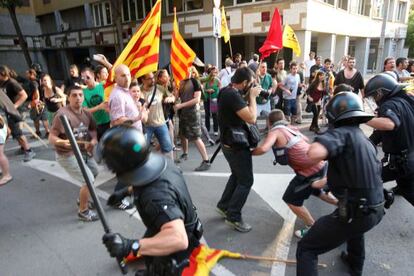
382	83
125	152
346	108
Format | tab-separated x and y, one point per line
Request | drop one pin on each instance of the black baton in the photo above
215	154
91	187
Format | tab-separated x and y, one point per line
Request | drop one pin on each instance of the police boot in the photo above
353	270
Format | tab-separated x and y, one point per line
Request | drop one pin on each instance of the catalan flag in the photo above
225	32
181	54
202	260
141	52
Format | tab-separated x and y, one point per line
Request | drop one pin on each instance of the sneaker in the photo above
301	232
211	143
353	271
396	190
124	205
88	215
91	205
216	133
204	166
29	155
46	135
221	212
240	226
182	157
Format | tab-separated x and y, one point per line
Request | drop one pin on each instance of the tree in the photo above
11	6
409	41
116	20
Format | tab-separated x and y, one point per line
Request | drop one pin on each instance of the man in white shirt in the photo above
308	64
226	73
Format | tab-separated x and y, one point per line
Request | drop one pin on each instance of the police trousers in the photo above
329	232
404	179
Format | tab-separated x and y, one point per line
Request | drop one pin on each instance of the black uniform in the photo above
354	178
160	202
398	144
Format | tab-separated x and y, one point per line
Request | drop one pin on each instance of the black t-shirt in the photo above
73	81
353	163
401	112
32	87
229	102
12	89
357	81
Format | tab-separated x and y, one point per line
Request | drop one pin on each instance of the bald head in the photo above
122	76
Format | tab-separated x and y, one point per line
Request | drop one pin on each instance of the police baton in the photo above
215	154
91	187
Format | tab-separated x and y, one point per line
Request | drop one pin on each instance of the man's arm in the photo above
195	100
381	123
171	238
267	144
21	98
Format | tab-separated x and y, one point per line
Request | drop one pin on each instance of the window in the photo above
132	10
378	8
228	3
330	2
343	4
102	14
364	7
184	5
401	11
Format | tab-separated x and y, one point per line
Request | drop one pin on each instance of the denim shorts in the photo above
71	166
162	135
290	107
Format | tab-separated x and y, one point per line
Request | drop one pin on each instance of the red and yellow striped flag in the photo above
202	260
141	52
181	54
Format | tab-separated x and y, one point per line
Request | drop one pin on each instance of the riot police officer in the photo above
161	198
354	177
394	128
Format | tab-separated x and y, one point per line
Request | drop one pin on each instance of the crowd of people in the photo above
152	107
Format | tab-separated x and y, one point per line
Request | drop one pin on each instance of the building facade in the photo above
61	32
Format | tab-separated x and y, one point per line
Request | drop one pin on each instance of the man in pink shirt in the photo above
122	107
290	148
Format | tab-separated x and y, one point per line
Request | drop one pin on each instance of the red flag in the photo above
273	42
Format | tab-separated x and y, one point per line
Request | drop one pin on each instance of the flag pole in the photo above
261	258
231	51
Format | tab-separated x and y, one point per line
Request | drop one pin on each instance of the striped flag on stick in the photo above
181	54
141	52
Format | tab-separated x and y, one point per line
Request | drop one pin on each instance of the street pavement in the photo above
41	235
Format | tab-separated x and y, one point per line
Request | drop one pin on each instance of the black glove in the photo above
117	245
117	196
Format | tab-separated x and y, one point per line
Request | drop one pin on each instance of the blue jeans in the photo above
163	137
238	186
290	107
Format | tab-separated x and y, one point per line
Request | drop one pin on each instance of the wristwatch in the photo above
135	247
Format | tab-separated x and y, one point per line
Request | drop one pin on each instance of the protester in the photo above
308	64
4	162
74	78
315	93
38	110
53	96
280	76
211	91
135	92
234	113
154	96
84	130
290	88
226	73
190	118
18	96
101	74
351	76
94	101
237	58
317	66
402	65
389	68
287	139
253	64
266	83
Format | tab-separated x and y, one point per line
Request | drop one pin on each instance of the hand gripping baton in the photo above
81	162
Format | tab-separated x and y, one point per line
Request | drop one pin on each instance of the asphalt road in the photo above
41	235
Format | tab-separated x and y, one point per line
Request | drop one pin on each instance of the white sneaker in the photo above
302	232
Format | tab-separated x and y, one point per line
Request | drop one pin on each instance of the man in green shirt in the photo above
94	101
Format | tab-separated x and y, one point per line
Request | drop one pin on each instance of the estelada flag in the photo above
290	40
273	41
225	32
141	52
181	54
202	260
